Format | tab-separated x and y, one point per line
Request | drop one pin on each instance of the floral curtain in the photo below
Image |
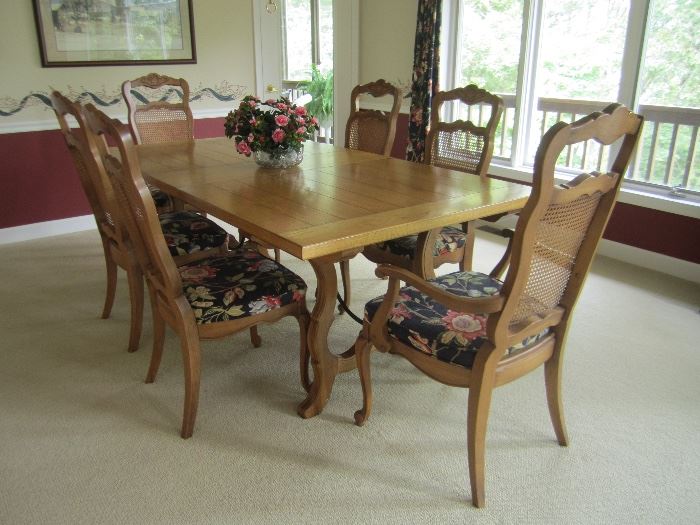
426	65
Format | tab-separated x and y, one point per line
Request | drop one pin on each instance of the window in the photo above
555	60
307	37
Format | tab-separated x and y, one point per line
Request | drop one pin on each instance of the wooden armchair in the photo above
189	235
458	145
468	329
370	130
206	299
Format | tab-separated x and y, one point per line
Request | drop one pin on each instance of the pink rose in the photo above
281	105
252	103
243	148
278	135
300	120
281	120
301	130
300	110
252	121
270	102
314	121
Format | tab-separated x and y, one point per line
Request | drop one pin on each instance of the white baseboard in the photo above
615	250
46	229
651	260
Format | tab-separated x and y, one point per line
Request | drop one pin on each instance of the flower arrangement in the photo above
272	126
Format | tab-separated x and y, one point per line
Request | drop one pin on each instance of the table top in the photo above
335	200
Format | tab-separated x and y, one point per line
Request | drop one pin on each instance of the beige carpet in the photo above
84	440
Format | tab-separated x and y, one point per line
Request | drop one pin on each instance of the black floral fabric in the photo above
238	285
449	240
426	66
429	327
188	232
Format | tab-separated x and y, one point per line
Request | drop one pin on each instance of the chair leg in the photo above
191	356
135	279
277	254
466	263
304	354
255	337
345	276
479	404
552	378
363	351
111	281
158	343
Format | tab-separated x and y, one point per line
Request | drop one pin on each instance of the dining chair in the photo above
458	145
207	299
189	235
154	120
370	130
467	329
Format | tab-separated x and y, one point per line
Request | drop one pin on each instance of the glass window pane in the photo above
671	64
581	49
669	81
325	28
297	35
492	63
579	70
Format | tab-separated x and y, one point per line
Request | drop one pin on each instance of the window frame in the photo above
526	98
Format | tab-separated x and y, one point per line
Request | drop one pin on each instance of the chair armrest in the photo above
473	305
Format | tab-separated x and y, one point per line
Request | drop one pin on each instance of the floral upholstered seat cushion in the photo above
450	239
429	327
162	200
237	285
188	232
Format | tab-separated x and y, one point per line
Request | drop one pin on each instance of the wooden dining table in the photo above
323	211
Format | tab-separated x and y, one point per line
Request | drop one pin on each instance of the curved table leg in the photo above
325	364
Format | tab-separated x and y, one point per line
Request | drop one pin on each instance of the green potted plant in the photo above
320	87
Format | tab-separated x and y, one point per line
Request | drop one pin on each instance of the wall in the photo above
38	182
387	33
225	66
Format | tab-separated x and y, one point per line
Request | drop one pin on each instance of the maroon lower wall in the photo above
38	183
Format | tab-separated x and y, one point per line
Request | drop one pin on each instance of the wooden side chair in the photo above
189	235
458	145
157	121
206	299
370	130
470	330
154	120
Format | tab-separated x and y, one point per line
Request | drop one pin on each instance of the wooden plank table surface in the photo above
324	211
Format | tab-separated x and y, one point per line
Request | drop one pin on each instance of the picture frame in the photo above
115	32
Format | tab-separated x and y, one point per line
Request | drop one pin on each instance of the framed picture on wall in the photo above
115	32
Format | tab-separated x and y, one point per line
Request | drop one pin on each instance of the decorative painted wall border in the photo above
223	92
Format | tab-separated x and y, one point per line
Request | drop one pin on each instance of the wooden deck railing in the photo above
666	154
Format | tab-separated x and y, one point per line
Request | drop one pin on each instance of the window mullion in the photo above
633	53
450	61
526	92
315	37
